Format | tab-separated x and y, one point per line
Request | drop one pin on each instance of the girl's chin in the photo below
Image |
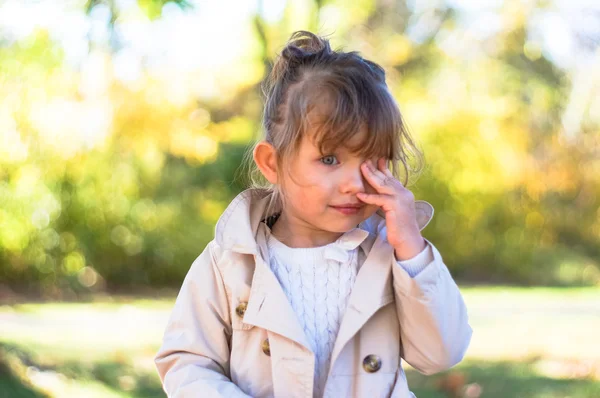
344	224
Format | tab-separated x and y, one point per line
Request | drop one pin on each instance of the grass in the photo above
496	379
527	343
118	377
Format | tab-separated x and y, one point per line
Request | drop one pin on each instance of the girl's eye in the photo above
329	160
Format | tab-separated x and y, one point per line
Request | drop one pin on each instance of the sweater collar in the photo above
339	250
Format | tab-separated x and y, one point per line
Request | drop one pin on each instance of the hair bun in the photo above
293	53
303	44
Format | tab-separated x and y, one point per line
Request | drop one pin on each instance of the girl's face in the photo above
320	195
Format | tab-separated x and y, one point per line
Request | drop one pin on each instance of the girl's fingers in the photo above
376	178
373	198
383	167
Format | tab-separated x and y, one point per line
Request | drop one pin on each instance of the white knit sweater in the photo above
318	282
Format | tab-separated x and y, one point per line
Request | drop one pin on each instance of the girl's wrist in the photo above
410	249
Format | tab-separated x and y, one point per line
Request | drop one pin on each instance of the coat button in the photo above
266	347
241	309
372	363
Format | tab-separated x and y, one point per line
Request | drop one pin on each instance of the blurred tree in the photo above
152	8
109	185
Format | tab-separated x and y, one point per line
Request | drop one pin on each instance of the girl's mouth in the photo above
348	209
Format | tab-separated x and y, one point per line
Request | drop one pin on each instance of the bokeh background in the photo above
124	123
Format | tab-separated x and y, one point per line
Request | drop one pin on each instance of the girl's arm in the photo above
193	360
434	325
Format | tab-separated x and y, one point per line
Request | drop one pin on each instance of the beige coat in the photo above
233	332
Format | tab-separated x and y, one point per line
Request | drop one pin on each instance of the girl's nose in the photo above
353	181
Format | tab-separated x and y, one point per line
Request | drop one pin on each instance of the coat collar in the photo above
237	227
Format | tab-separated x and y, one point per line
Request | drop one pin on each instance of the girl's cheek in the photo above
312	175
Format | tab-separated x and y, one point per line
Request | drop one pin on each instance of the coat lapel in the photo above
372	290
268	306
240	229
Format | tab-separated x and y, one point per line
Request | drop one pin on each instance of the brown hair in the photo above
349	92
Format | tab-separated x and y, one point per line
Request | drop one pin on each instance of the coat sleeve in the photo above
193	360
434	325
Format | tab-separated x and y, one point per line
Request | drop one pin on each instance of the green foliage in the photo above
152	8
122	189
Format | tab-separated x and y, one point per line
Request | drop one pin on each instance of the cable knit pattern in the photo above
318	282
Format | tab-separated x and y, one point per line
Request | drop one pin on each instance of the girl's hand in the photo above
398	203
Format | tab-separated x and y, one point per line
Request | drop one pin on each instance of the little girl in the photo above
320	284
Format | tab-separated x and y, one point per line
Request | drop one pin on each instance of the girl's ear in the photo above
265	158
